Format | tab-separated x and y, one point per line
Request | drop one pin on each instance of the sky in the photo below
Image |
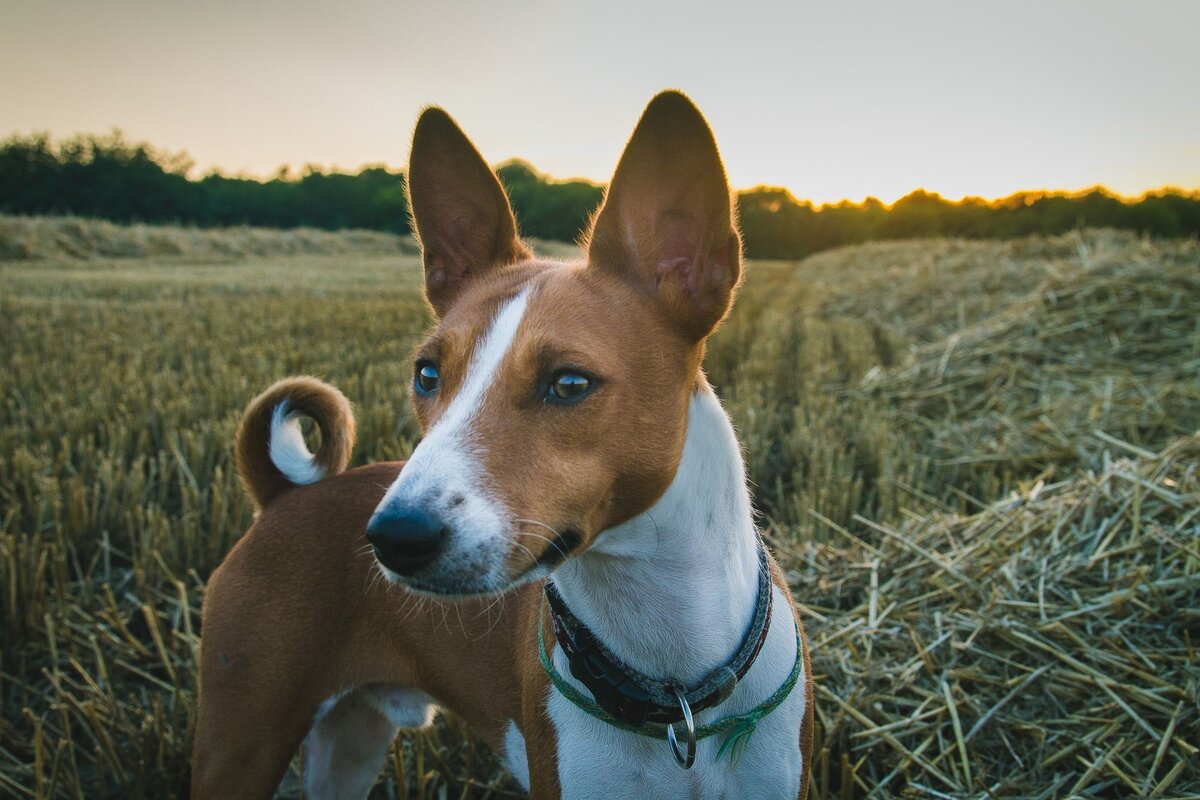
832	100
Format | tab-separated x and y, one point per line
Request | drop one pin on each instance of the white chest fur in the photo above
596	760
671	592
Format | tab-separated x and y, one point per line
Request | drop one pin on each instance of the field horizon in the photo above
182	163
978	463
109	177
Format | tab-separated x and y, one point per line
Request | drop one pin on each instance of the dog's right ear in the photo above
460	212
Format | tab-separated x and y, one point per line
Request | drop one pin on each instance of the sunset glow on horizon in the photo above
831	102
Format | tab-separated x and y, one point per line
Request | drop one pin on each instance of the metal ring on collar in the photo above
685	760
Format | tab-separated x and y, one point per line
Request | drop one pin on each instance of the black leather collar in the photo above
635	698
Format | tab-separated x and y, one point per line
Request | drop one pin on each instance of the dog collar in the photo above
637	699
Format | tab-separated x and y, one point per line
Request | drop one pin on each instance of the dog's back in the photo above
298	613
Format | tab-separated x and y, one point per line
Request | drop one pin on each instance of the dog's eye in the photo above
426	378
568	387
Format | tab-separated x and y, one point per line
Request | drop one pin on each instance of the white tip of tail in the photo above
289	453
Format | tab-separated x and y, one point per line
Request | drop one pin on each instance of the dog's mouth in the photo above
558	549
464	576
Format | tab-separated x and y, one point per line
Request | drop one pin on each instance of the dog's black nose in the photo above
405	539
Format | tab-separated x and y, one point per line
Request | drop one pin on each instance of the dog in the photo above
569	559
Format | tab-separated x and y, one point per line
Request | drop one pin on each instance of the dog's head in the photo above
553	397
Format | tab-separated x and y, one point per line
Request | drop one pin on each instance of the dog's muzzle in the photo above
406	539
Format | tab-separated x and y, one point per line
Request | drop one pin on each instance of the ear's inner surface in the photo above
462	216
667	222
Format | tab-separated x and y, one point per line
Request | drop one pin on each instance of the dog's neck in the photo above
672	591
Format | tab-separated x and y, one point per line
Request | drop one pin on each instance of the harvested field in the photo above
977	462
25	238
1041	647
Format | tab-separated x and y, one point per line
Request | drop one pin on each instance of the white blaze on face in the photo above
444	476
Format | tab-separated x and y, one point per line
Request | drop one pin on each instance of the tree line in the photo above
112	178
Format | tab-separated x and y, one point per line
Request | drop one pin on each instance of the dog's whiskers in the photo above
539	524
552	542
492	625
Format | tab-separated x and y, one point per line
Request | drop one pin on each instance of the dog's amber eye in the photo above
426	379
568	387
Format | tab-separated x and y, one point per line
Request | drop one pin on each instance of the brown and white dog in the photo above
569	436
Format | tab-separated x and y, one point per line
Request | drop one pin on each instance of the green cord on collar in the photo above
739	728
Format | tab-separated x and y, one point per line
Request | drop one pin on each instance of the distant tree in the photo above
547	208
30	170
917	215
112	178
775	224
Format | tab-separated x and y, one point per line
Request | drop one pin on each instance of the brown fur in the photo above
667	221
308	397
605	462
463	220
299	611
664	262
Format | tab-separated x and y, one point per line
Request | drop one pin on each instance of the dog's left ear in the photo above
460	212
667	224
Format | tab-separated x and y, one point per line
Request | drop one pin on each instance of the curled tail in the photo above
271	453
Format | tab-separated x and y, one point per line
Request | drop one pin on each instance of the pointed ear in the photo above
460	212
666	224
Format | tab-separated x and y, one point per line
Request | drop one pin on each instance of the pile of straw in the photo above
1043	644
1048	641
1109	341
